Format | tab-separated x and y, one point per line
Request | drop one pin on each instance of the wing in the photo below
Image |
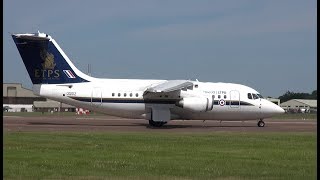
170	86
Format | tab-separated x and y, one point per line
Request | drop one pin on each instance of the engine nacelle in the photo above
196	104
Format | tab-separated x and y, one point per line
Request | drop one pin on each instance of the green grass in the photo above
219	155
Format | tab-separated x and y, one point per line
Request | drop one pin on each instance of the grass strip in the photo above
218	155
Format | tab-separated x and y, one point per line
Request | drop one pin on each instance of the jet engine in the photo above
196	104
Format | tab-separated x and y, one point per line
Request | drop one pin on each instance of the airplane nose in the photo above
271	109
279	110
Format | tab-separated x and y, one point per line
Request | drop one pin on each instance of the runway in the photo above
114	124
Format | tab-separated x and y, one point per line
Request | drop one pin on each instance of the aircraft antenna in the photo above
89	69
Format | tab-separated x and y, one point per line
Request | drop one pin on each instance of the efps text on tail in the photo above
55	77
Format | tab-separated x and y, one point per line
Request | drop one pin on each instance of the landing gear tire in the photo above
261	123
156	123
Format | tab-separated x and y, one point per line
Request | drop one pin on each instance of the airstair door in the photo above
96	97
234	99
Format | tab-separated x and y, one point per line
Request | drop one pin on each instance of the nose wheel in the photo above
261	123
156	123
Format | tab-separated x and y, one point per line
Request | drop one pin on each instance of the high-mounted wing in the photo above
169	86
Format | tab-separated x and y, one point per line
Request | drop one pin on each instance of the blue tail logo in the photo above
46	63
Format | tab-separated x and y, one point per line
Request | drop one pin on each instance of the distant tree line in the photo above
292	95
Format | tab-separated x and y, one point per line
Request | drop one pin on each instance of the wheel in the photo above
261	124
156	123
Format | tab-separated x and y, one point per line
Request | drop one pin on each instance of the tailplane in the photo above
45	61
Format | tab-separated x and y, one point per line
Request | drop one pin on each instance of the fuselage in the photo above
126	98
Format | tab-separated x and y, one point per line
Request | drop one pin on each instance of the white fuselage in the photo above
126	98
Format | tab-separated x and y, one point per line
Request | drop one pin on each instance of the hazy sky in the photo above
268	45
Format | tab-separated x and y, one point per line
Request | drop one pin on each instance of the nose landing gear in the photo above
261	123
156	123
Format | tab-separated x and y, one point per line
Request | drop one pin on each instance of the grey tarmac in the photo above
115	124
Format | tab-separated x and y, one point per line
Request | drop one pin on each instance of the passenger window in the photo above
219	96
137	94
112	94
125	94
119	94
255	96
249	96
225	96
130	94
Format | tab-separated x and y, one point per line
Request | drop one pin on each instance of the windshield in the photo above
255	96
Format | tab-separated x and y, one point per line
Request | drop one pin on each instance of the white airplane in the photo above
55	77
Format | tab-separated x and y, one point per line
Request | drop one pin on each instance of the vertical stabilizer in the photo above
45	61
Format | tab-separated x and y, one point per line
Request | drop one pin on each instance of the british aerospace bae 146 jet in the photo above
55	77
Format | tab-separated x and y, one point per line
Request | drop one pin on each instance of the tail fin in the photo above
45	61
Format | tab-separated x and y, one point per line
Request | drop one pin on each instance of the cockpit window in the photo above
249	96
260	96
255	96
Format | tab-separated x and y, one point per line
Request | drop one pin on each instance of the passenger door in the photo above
234	99
96	97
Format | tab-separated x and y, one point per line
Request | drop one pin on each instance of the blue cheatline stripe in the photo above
228	102
109	100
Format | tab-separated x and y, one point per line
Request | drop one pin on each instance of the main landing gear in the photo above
261	123
156	123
